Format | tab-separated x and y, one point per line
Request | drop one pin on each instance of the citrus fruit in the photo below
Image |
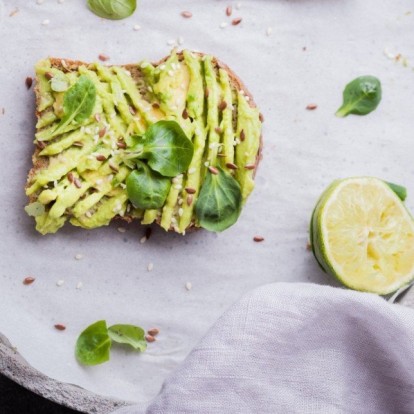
362	234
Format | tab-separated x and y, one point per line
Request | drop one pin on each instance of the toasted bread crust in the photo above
67	65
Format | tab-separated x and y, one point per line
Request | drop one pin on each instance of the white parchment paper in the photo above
315	48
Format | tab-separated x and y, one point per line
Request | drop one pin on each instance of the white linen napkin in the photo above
298	348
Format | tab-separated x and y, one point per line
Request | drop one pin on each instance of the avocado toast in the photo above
92	117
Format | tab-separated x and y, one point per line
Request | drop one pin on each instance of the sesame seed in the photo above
40	1
60	327
60	283
192	170
78	256
143	240
162	67
123	185
137	27
99	181
88	214
121	229
223	25
180	201
170	73
187	14
178	186
45	22
150	267
238	6
207	163
269	31
28	280
61	1
180	40
258	239
188	286
171	42
79	285
180	211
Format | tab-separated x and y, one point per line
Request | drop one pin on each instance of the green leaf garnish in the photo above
112	9
147	189
166	148
399	190
78	103
219	203
128	334
361	96
93	344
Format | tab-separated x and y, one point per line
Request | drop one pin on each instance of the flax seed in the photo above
150	338
229	11
231	166
100	157
103	57
153	331
28	280
187	14
213	170
60	327
29	82
190	190
242	135
190	199
236	21
250	166
48	75
258	239
71	178
102	132
311	107
222	106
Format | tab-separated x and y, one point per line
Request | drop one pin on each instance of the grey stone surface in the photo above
15	367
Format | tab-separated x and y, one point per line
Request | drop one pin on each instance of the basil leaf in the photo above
219	203
59	83
78	103
166	148
93	344
112	9
361	96
399	190
128	334
147	189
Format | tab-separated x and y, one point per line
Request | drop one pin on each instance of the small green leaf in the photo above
166	148
219	203
399	190
78	103
128	334
93	344
59	82
112	9
147	189
361	96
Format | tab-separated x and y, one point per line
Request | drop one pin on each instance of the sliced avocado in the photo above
84	167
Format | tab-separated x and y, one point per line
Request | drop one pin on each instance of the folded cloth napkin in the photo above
298	348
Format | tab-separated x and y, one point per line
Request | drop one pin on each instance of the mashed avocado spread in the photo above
89	116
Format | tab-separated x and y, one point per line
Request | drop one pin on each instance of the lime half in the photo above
362	234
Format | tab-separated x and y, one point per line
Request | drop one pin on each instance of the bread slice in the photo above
155	88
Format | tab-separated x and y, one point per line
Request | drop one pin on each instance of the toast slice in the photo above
79	173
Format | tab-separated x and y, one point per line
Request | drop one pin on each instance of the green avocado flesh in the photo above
79	173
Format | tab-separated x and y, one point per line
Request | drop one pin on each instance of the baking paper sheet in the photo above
315	48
